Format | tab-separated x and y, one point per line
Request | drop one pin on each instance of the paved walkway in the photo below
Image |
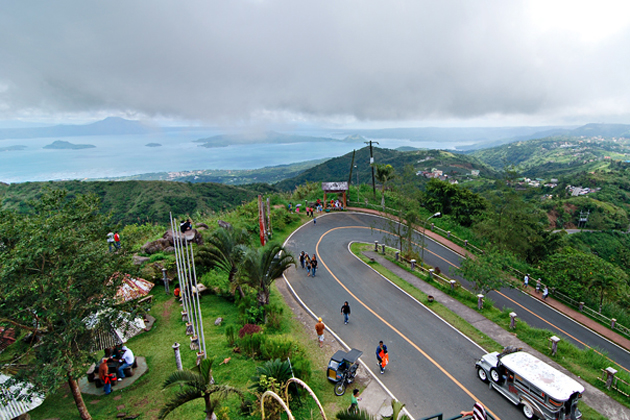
560	307
90	387
593	397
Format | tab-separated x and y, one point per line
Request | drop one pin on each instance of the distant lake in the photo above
126	155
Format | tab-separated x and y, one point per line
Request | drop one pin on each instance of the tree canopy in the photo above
56	273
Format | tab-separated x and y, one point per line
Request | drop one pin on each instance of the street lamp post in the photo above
424	229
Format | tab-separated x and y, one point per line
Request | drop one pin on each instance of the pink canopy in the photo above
133	288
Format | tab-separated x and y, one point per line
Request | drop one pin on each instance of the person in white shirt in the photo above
110	240
127	360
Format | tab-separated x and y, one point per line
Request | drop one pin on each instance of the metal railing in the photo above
440	416
604	320
438	277
424	224
617	383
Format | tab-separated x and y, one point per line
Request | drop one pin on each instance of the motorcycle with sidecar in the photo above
342	368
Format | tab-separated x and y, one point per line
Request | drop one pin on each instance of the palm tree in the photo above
225	250
260	267
195	384
397	408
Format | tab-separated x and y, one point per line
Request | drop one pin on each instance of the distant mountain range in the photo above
108	126
60	144
267	137
481	137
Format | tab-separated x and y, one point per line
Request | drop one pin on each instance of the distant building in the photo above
474	172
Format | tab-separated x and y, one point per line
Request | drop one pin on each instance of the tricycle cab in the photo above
340	361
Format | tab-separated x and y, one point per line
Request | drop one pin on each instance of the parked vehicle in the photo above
342	368
541	390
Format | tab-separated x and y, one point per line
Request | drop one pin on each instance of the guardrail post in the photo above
480	301
581	306
165	280
383	249
376	246
453	283
431	273
178	356
554	345
432	226
448	234
612	323
513	320
397	255
413	264
610	372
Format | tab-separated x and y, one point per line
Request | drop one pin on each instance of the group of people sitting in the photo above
112	366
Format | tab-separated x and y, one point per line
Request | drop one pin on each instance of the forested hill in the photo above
558	155
338	169
142	201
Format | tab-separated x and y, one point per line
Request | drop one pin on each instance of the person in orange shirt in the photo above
319	328
381	356
103	373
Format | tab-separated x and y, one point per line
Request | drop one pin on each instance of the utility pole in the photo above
351	167
372	165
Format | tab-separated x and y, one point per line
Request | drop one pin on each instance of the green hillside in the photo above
269	175
140	201
555	156
338	169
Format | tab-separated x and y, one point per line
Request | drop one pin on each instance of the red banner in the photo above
261	220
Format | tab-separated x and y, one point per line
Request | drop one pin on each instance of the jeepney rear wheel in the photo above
340	388
482	374
528	411
495	375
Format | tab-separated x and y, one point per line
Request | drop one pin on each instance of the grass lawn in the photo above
146	397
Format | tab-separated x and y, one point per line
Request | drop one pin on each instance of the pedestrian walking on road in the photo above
382	356
545	293
526	281
345	311
313	266
307	261
302	257
538	285
314	220
319	329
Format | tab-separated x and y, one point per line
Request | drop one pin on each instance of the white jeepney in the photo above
541	390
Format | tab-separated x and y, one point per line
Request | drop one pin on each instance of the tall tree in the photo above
56	273
489	271
225	250
260	267
196	384
384	174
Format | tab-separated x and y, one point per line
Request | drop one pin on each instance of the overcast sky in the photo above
385	63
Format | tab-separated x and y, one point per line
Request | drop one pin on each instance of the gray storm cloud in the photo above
238	60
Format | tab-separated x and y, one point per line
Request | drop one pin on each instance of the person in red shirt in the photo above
117	240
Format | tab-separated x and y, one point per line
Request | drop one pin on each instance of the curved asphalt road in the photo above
431	365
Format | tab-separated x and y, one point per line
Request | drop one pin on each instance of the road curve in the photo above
431	365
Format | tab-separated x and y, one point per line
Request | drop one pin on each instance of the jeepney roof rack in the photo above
509	350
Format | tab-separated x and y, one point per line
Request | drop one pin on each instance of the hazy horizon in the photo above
355	64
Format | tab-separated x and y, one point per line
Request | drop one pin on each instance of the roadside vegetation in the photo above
494	211
583	363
